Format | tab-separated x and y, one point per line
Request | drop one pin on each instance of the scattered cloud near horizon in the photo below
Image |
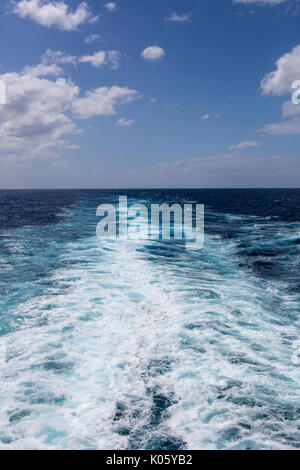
230	169
245	145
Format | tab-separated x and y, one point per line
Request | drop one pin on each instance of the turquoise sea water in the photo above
122	344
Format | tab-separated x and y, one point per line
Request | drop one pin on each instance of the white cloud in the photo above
288	126
34	123
153	53
98	59
222	170
92	38
42	70
279	82
177	18
125	122
54	13
245	145
260	2
211	116
111	6
57	57
101	58
41	111
60	164
51	60
283	128
289	109
102	101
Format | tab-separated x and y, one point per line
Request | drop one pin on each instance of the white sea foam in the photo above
133	348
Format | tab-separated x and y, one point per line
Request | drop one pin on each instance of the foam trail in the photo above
145	345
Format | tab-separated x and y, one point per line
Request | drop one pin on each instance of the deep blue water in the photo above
118	344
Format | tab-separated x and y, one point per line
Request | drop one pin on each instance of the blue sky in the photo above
132	93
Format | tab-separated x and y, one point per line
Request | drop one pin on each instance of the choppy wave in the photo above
144	345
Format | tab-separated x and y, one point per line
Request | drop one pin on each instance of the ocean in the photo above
142	344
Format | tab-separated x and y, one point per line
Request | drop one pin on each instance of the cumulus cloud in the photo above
125	122
34	123
279	82
177	18
42	108
102	101
52	13
245	145
101	58
153	53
